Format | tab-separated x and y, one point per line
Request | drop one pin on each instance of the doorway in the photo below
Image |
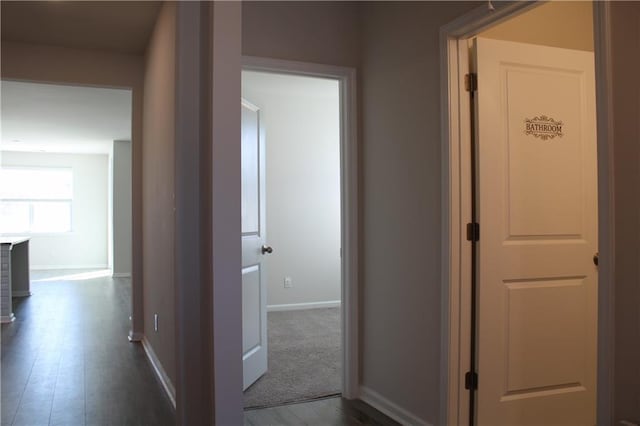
65	188
492	305
66	162
300	281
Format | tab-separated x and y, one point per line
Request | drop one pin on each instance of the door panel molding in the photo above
532	184
253	235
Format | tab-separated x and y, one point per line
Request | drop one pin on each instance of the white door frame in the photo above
456	205
346	78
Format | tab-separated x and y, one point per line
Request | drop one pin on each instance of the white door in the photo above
254	298
537	209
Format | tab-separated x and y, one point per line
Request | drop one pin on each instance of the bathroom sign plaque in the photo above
543	127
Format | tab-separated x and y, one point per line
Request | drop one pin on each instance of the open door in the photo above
254	297
537	210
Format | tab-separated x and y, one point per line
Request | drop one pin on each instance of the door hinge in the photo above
473	231
471	380
471	82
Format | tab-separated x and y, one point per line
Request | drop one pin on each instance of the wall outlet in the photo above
287	282
155	322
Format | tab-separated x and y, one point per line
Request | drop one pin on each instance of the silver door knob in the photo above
266	249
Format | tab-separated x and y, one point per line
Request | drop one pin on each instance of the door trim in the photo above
346	78
456	205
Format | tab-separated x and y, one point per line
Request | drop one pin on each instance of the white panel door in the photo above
254	298
537	209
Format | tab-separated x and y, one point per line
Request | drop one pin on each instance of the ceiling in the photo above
120	26
56	118
571	21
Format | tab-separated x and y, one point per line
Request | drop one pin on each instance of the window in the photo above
35	200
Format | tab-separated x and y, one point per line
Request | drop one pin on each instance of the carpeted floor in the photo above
304	358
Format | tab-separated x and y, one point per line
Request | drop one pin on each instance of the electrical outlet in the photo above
287	282
155	322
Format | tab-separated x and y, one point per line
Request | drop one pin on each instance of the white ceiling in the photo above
56	118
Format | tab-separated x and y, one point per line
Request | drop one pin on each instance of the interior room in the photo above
65	164
166	346
66	169
65	196
300	124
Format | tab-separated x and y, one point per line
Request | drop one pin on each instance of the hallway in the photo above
66	359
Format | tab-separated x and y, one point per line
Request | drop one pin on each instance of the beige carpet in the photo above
304	358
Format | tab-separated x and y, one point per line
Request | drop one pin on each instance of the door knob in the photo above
595	259
266	249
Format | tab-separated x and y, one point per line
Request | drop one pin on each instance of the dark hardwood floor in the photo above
323	412
66	359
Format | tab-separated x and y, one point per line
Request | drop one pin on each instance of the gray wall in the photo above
122	208
158	157
395	48
321	32
625	32
401	204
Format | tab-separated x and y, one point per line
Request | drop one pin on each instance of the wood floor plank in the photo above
329	412
284	415
325	412
372	415
66	359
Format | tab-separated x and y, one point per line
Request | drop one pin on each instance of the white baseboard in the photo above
121	275
57	267
162	375
135	336
299	306
389	408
